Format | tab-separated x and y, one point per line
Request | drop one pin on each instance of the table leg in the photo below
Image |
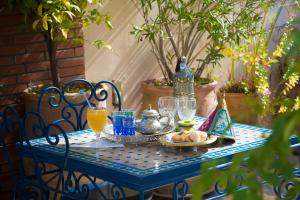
180	189
142	196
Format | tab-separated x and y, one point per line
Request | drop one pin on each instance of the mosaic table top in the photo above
144	160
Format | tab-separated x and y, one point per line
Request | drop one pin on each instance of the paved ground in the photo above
268	195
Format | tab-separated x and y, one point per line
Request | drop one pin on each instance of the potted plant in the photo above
56	21
259	62
274	163
199	30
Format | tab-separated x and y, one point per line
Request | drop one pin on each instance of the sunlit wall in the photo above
129	62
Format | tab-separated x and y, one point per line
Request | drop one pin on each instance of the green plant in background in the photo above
270	164
258	60
56	20
198	30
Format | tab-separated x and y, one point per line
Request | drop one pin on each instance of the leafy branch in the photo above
193	28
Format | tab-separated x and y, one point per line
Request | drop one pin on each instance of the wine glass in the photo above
167	108
97	117
186	108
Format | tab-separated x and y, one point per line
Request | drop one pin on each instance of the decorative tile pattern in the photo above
221	124
143	160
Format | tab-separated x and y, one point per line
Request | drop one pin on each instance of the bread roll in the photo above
203	136
189	136
194	137
176	138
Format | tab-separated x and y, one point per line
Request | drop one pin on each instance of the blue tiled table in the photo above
144	167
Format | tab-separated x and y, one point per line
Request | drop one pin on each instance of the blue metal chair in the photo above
72	117
9	124
58	184
73	110
33	185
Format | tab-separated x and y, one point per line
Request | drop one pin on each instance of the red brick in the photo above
3	11
68	44
22	29
75	33
29	38
79	51
8	100
30	57
12	89
39	66
25	78
42	46
12	69
65	53
70	62
7	60
8	80
6	40
71	71
11	20
9	30
11	50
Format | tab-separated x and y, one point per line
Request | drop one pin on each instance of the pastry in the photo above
176	138
194	137
203	136
189	136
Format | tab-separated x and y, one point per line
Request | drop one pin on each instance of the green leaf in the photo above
75	7
45	22
64	33
40	10
56	18
99	19
70	14
85	23
67	24
108	24
78	40
66	3
34	24
101	44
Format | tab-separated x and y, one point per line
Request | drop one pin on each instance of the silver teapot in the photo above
150	122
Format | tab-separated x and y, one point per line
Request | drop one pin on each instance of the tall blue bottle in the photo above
183	80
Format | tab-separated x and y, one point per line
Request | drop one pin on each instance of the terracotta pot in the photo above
240	109
205	96
265	121
48	113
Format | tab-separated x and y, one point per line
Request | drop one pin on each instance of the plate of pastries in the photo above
189	138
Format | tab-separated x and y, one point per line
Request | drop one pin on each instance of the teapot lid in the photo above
150	112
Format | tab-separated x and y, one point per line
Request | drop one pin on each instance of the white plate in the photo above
167	140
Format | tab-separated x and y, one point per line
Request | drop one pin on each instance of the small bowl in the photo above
186	123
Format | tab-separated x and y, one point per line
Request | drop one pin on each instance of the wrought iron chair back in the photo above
72	117
33	185
45	136
10	123
73	110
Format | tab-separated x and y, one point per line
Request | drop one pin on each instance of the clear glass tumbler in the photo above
186	108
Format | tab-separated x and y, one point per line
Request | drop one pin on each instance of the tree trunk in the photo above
51	45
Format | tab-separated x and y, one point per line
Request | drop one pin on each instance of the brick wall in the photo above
24	59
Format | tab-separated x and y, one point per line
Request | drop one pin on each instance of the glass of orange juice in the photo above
96	117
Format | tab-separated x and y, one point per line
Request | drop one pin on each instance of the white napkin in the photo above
98	144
